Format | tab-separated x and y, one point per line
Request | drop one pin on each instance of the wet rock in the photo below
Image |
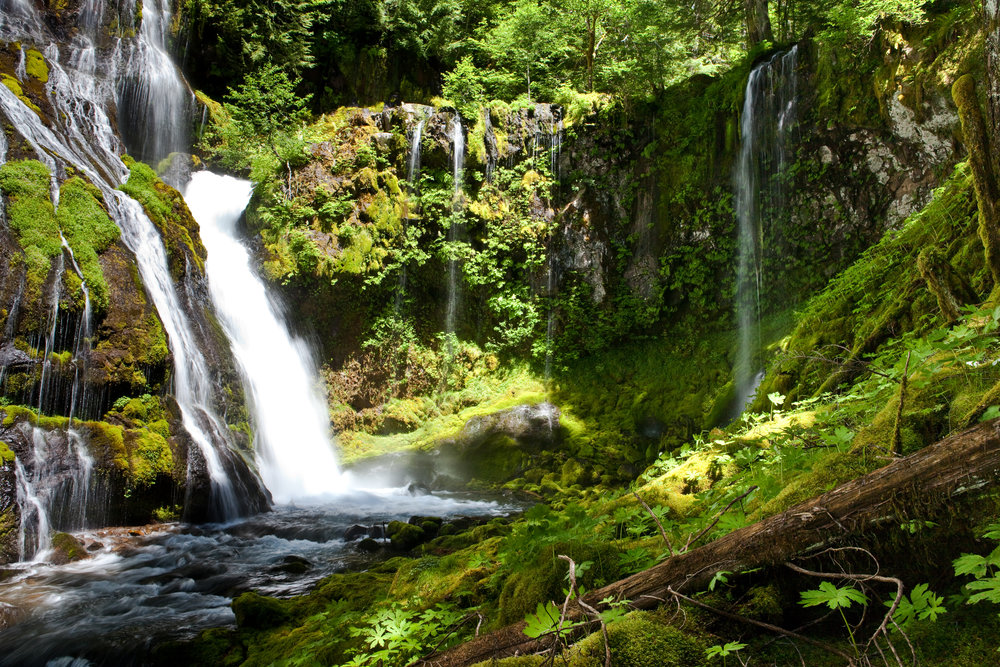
67	549
368	545
293	565
355	532
528	424
417	489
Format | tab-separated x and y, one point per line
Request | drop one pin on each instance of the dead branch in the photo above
717	517
766	626
663	533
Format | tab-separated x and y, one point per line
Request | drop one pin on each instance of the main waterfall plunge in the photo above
139	587
294	451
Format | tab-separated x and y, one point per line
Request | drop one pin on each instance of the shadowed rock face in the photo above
10	514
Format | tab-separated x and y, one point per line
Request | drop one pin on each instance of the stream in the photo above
143	586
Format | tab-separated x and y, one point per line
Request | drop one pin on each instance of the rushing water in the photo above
458	169
292	441
143	586
82	137
139	590
769	110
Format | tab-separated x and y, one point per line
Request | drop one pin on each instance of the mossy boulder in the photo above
405	536
255	611
641	639
67	549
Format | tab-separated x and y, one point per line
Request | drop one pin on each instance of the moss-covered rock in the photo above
255	611
67	549
168	211
89	231
405	536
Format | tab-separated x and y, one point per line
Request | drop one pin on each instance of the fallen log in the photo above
959	464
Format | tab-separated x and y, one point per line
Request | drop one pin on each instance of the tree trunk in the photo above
991	14
758	22
983	174
947	284
591	47
928	479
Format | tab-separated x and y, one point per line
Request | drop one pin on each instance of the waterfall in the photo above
458	164
412	175
413	167
81	341
83	137
154	104
295	454
769	109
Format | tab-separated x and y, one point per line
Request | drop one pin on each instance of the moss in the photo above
639	640
542	579
67	549
976	141
36	66
256	611
6	455
168	211
32	217
15	87
404	536
89	231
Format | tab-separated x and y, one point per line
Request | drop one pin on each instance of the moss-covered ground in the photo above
806	436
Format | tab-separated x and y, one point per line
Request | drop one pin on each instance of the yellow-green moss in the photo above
36	66
15	87
88	230
168	211
32	217
6	455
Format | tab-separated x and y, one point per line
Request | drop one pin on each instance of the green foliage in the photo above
396	635
544	620
922	604
264	104
857	21
463	86
724	650
985	571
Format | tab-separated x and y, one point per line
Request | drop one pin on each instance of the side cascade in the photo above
83	83
294	451
412	178
767	128
454	228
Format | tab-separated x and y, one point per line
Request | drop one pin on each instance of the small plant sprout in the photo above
838	598
725	650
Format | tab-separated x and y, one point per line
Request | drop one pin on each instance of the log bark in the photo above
962	463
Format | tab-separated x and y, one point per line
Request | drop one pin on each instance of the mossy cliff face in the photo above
10	513
577	231
60	355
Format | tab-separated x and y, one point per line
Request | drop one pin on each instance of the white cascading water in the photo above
458	164
154	103
769	109
85	139
295	454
